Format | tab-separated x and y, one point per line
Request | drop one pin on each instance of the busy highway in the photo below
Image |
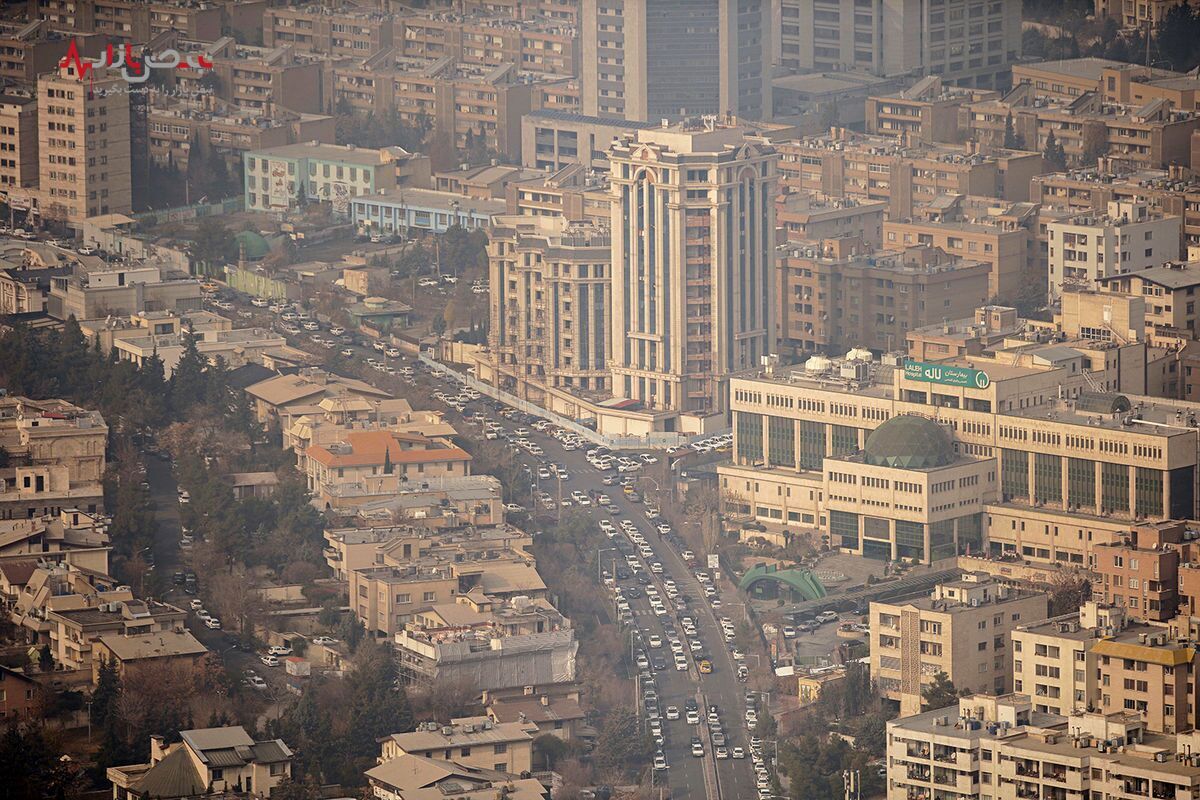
687	665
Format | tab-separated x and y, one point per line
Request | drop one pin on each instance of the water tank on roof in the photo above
859	354
817	364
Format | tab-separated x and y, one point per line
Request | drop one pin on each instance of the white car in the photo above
392	352
648	458
269	660
259	302
323	640
279	650
255	682
213	623
427	282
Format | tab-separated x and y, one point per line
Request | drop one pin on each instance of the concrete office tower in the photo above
83	145
693	255
646	60
967	42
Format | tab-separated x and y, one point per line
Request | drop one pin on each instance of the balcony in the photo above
917	752
1028	770
945	756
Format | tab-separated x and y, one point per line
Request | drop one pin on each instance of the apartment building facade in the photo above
838	293
1129	237
961	630
646	60
551	303
693	242
970	44
19	164
83	146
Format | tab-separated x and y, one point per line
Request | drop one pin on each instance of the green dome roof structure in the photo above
252	244
909	442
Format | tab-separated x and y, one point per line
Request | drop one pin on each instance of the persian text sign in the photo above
946	375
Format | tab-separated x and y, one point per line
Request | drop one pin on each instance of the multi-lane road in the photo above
688	776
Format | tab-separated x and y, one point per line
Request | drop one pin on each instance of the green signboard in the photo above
946	375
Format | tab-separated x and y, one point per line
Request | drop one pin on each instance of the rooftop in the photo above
161	644
348	153
1172	275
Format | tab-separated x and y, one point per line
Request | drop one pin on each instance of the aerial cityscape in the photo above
600	399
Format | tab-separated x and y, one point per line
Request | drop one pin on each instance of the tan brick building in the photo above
961	629
83	146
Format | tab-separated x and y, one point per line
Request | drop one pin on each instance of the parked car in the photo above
269	660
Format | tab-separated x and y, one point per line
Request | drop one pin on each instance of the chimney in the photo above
158	749
545	700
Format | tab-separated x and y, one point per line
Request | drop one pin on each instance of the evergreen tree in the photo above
1012	140
189	384
1054	154
941	693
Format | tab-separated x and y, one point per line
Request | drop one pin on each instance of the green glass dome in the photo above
254	245
909	442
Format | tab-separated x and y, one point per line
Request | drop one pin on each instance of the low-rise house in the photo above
523	642
376	463
37	588
205	760
472	741
73	632
557	716
253	484
411	777
129	652
283	398
20	696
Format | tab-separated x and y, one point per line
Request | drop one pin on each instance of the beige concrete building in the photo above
1001	237
993	747
845	164
926	112
18	149
962	630
1169	292
213	759
670	59
551	304
689	312
1075	463
805	217
1129	237
1052	661
837	294
552	139
346	32
473	741
83	145
897	37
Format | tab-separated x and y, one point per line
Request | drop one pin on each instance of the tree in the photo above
1054	154
189	385
1012	140
45	659
940	693
1095	144
212	244
1176	37
1068	592
622	746
550	749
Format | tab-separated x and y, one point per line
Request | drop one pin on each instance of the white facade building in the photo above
1129	237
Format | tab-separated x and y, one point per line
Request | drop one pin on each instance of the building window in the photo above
1114	487
1014	466
1081	483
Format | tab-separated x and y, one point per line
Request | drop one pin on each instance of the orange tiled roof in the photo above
368	447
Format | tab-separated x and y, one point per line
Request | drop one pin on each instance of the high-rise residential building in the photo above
655	59
551	304
969	43
83	145
693	254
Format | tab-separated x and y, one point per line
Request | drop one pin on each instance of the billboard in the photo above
278	191
946	375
